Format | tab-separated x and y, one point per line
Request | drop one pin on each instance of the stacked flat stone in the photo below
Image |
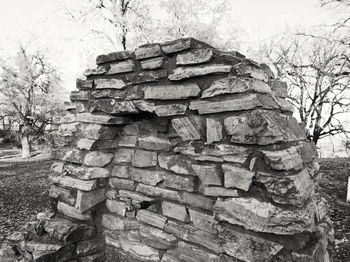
207	137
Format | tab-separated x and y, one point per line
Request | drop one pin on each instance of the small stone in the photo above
98	159
177	45
203	221
214	130
246	68
260	216
287	159
197	200
188	72
121	171
235	177
103	93
263	128
170	92
145	106
88	247
109	83
152	63
157	238
147	177
85	143
219	192
66	181
57	168
120	183
72	212
192	253
69	155
159	192
148	51
154	142
194	235
127	141
62	194
235	85
97	131
189	128
279	88
151	218
87	200
102	119
123	155
112	106
170	110
197	56
83	84
146	77
86	173
176	163
134	196
113	222
100	70
79	96
247	247
176	211
143	158
246	102
117	207
115	56
121	67
208	174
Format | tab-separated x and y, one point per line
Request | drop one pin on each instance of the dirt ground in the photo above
23	193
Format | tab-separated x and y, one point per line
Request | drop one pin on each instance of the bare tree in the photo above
26	89
317	71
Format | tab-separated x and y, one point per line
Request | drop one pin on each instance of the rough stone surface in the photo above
175	211
109	83
169	92
195	57
188	128
152	63
288	159
72	212
235	177
87	200
188	72
98	159
208	174
170	110
175	163
144	158
214	130
121	67
156	238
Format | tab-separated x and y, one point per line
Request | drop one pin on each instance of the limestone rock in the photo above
79	96
170	109
234	85
83	84
152	63
279	88
197	56
87	200
157	238
188	72
97	131
127	141
115	56
62	194
146	77
153	142
139	250
247	247
102	119
177	45
100	70
287	159
263	128
197	200
260	216
70	155
292	189
111	106
169	92
134	196
88	247
145	106
176	163
246	102
66	181
208	174
192	234
121	171
151	218
113	222
86	173
123	155
121	67
215	191
109	83
235	177
214	130
147	177
189	128
97	159
148	51
175	211
144	158
163	193
117	207
121	183
248	69
72	212
203	221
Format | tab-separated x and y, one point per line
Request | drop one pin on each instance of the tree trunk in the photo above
25	141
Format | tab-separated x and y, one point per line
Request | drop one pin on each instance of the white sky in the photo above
43	22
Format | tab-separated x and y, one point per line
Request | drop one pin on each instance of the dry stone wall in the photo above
181	152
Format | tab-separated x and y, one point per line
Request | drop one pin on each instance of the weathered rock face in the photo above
204	143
